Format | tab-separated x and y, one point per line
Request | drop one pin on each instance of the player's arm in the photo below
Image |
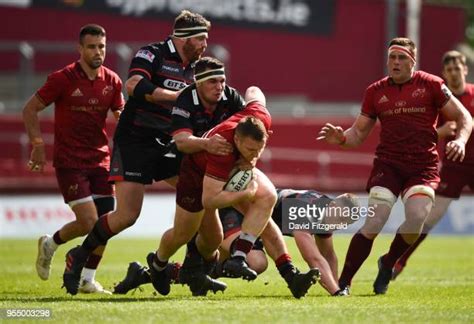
118	101
326	248
454	110
313	257
141	87
306	244
30	118
188	143
254	93
448	129
214	196
351	137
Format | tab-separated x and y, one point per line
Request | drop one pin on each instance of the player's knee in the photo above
381	196
267	198
129	221
213	241
257	261
86	224
217	239
416	215
419	190
104	205
127	217
373	226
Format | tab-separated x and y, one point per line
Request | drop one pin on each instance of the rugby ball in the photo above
238	180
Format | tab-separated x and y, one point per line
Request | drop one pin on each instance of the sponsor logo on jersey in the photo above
400	103
93	101
188	200
106	90
383	99
170	68
77	93
174	84
72	190
180	112
133	174
420	92
145	54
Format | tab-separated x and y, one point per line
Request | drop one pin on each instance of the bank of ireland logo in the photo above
400	103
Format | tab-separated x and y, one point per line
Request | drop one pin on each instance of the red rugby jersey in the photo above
467	99
408	114
81	106
218	166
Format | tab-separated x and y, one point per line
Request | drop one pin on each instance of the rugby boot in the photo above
397	269
236	267
342	292
160	279
194	274
45	256
299	283
345	288
136	275
72	273
200	284
92	287
383	278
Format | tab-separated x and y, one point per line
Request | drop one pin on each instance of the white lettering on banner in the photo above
284	12
33	216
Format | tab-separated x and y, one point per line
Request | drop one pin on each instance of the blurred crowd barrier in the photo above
28	216
293	157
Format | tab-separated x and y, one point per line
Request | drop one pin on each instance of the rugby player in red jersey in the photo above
407	103
200	194
83	93
143	150
455	175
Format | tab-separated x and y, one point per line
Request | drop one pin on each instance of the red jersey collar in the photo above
80	71
412	79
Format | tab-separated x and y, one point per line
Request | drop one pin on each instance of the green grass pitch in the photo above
438	286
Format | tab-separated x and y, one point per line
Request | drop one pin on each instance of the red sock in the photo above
359	250
404	258
93	261
397	248
57	239
282	259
